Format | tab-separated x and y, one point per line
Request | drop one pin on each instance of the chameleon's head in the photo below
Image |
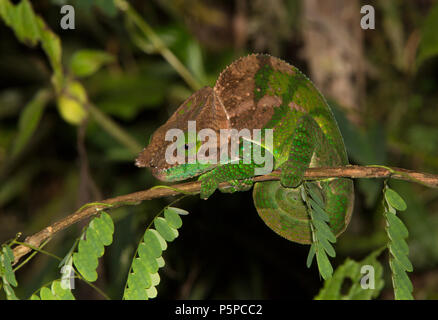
162	156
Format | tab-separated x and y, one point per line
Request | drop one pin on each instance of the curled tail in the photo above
284	211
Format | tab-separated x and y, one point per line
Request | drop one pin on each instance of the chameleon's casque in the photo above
257	92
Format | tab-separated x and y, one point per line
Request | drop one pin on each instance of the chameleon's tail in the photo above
284	211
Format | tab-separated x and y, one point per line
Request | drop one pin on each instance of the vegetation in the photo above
76	107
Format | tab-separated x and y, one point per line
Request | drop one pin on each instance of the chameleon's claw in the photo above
208	186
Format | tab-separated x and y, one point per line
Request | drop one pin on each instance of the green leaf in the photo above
71	103
169	234
399	245
6	260
172	217
31	29
324	265
327	247
149	261
397	225
21	19
86	62
60	293
400	275
135	281
135	294
143	275
160	262
163	242
399	261
99	232
93	242
151	292
310	256
315	194
9	253
395	200
86	265
52	47
402	284
179	211
401	257
318	212
155	277
47	294
10	294
104	227
153	243
323	230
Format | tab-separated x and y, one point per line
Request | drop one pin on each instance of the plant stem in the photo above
114	130
430	180
159	45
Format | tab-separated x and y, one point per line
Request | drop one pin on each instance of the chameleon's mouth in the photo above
181	171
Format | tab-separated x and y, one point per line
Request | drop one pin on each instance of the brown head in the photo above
201	107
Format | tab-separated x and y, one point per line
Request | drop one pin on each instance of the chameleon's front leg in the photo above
303	142
238	175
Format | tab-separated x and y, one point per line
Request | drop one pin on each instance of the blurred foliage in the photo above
55	157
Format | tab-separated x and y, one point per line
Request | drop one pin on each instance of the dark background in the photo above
381	84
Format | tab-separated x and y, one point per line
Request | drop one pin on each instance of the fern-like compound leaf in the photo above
7	275
7	258
321	232
143	276
399	251
99	233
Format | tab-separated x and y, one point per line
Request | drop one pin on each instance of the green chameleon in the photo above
263	92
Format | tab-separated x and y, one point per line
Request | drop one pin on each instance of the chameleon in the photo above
260	91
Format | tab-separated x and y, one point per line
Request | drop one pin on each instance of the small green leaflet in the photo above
399	250
6	273
143	276
98	234
395	200
86	62
56	292
31	29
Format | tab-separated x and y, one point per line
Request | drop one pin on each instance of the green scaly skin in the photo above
256	92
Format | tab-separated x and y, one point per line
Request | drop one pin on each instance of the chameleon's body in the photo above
256	92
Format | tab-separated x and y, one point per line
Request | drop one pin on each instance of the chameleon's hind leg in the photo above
303	142
239	175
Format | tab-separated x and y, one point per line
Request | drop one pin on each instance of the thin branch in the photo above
429	180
